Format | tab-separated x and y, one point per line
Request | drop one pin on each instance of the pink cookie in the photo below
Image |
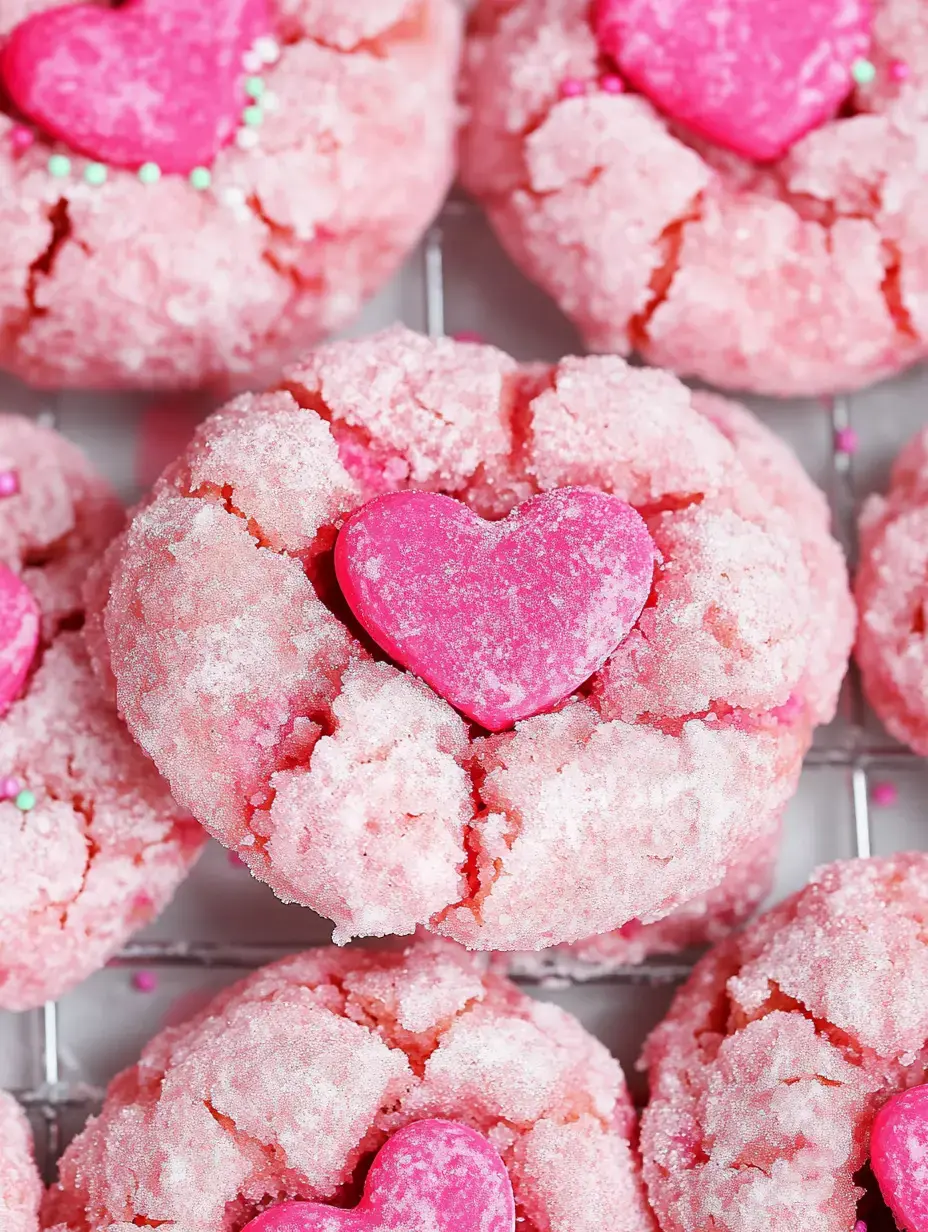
342	128
803	275
349	785
892	596
286	1086
767	1073
94	846
20	1187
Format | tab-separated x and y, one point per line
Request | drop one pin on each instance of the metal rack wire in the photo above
849	750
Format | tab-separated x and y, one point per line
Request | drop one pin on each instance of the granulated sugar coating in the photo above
805	275
891	588
161	284
776	1055
350	786
20	1187
93	844
287	1084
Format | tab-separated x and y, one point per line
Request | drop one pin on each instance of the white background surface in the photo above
103	1024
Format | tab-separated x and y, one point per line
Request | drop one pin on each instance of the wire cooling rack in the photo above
458	279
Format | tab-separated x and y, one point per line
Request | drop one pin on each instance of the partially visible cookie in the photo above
20	1186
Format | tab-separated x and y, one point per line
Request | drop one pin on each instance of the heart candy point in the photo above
898	1151
153	81
19	635
503	619
750	75
431	1176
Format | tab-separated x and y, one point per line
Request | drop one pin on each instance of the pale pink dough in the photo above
767	1072
20	1187
352	788
105	846
133	285
287	1084
803	276
892	597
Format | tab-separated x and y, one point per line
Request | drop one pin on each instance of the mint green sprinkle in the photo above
200	178
59	165
25	801
863	72
95	174
253	116
255	87
149	173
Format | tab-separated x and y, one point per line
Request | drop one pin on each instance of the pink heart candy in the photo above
431	1176
19	635
751	75
503	619
899	1157
153	81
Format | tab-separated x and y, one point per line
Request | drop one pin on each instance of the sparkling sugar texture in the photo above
766	1074
104	846
286	1085
20	1186
503	619
892	596
158	285
899	1157
348	785
803	276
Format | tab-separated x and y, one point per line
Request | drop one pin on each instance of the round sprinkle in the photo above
571	87
9	483
253	117
59	165
863	72
884	794
21	139
145	981
246	138
95	174
847	441
268	49
270	101
612	84
25	800
255	87
200	178
10	787
149	173
252	62
899	70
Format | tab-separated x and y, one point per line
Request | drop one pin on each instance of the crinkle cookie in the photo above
775	1056
797	267
20	1187
207	194
93	844
892	597
286	1085
349	785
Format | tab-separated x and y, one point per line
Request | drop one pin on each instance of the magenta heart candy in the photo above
899	1157
751	75
153	81
503	619
432	1176
19	635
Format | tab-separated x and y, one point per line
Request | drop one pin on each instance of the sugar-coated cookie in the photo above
349	785
93	844
286	1085
732	188
767	1073
20	1186
192	197
892	592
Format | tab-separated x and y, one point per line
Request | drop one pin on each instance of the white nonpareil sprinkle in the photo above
268	49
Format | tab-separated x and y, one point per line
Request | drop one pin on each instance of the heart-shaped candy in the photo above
431	1176
899	1157
19	635
751	75
153	81
503	619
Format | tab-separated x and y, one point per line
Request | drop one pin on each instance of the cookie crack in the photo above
670	245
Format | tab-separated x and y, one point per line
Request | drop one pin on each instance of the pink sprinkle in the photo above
612	84
9	788
847	441
884	794
145	981
469	335
899	70
860	1226
236	860
572	87
21	139
9	483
